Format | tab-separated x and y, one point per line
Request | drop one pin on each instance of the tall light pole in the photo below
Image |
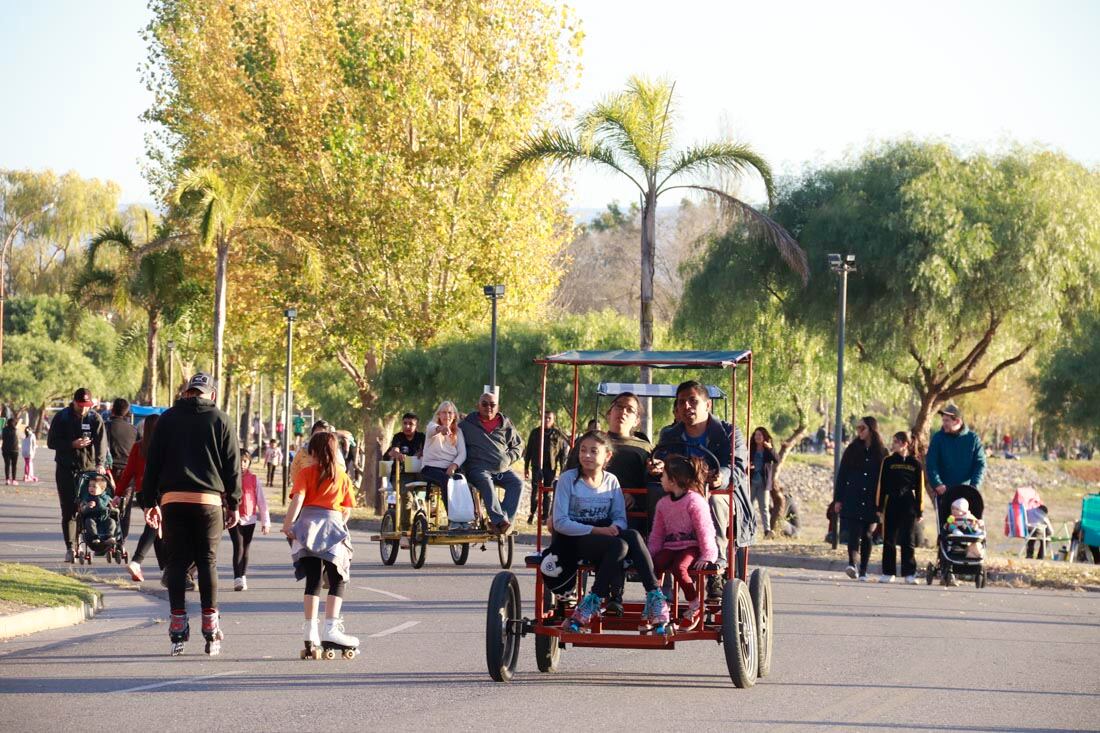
841	266
171	372
493	293
291	314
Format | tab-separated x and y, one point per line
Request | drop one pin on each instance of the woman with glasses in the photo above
854	493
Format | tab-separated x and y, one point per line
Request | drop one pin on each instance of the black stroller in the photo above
100	532
958	553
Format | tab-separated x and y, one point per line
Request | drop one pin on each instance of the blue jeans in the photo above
485	482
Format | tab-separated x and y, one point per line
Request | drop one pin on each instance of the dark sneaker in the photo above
715	585
614	605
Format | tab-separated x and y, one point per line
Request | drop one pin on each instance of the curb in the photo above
44	619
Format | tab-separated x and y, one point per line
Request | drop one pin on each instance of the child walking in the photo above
253	509
590	525
316	526
272	457
29	448
683	537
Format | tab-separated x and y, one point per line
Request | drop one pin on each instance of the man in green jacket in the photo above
955	455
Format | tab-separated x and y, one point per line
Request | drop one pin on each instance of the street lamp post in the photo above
493	293
171	372
291	314
841	266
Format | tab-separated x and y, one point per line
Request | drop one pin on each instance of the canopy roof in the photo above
658	359
610	389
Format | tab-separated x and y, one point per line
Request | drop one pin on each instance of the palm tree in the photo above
156	282
631	133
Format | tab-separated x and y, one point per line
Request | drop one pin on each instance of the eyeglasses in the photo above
488	404
861	427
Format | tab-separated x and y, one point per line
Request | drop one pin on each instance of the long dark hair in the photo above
322	447
148	427
856	449
767	438
878	448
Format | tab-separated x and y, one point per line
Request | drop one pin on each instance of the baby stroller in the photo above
100	532
958	554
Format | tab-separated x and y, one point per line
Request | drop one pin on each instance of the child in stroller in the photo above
101	530
961	537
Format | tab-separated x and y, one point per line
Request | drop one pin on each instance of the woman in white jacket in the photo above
444	447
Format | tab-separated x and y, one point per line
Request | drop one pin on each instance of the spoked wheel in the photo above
418	540
506	548
760	589
930	573
388	548
460	553
547	649
501	633
739	636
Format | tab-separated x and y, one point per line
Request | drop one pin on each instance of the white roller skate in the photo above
311	639
335	640
212	632
179	632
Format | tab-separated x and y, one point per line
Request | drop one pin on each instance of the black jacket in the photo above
121	436
194	449
66	427
900	485
553	457
857	482
10	438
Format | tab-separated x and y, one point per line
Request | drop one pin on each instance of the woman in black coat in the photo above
854	493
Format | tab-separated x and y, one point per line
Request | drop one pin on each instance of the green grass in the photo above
812	459
29	585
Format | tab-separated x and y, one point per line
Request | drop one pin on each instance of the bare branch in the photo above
978	386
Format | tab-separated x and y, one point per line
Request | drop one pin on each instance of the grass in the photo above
28	585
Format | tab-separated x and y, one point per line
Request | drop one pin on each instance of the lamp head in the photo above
493	291
291	313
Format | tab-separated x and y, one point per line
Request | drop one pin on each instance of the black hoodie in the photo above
194	448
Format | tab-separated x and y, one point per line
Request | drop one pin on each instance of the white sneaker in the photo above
851	571
334	634
886	578
911	579
863	579
240	583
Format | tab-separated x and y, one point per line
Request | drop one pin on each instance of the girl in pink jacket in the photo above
683	533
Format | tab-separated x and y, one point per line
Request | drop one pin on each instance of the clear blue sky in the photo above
804	82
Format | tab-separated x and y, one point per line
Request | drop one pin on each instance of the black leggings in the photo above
312	568
547	478
191	535
608	554
66	497
859	541
148	539
10	459
241	537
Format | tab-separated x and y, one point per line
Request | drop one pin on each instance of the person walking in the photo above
492	446
854	493
762	479
121	436
898	503
30	447
273	458
78	439
134	475
9	446
191	490
253	511
553	455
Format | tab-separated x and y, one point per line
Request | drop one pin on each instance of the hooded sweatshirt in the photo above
955	458
194	449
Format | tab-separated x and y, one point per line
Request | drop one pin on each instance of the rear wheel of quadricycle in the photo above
506	548
930	573
460	553
739	640
388	548
547	648
760	589
418	540
502	620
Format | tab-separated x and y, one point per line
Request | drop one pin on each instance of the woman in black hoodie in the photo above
854	493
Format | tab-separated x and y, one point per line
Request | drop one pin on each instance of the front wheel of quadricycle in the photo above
502	617
388	548
930	573
460	553
506	548
760	589
418	540
547	648
739	633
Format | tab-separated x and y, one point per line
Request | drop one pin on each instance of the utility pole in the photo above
841	266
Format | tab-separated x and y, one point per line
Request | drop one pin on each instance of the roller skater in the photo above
212	632
316	526
179	632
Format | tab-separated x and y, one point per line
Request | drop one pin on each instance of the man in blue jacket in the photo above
956	455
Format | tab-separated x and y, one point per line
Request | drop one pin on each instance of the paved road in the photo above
847	657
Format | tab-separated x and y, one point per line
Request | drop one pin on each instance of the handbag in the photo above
460	504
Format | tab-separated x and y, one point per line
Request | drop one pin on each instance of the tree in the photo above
631	133
1068	384
966	264
41	370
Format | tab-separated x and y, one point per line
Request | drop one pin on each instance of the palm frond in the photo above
772	231
115	234
561	147
206	190
615	121
732	157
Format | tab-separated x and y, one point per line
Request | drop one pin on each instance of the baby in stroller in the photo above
961	537
99	515
962	522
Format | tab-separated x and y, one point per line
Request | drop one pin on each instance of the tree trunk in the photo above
221	269
648	265
248	417
149	389
791	440
929	402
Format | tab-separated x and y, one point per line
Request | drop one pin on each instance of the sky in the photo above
803	83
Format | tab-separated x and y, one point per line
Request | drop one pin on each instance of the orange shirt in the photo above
335	493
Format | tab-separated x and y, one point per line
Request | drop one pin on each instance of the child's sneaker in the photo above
586	610
910	580
886	578
850	571
691	616
655	615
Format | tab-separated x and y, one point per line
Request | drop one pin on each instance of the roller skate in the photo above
586	610
335	640
311	639
655	613
212	632
179	632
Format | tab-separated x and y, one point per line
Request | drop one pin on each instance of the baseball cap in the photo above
203	382
83	397
952	410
